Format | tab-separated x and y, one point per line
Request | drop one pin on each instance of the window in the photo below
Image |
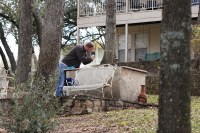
122	47
141	44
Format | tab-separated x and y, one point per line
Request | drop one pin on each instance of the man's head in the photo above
89	47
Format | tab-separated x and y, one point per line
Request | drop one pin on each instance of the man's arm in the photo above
81	56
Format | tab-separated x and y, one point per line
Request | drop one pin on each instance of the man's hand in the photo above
92	57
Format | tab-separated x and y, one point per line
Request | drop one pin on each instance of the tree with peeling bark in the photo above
174	86
51	38
25	41
110	34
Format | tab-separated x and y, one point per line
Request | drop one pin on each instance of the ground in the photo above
124	121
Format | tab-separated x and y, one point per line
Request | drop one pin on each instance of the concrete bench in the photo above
95	78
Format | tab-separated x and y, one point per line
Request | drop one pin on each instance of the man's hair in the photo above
89	45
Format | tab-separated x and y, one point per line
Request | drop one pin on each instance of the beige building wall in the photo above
154	38
98	56
153	31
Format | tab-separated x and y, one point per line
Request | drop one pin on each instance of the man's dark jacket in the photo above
77	56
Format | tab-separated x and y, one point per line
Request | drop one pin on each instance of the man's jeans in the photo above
61	78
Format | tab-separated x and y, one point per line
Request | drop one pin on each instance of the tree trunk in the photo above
198	19
39	25
4	59
196	53
25	41
174	86
34	62
51	38
110	37
7	49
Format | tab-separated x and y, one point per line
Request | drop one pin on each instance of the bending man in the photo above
79	54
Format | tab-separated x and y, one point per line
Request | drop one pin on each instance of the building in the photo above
98	54
138	25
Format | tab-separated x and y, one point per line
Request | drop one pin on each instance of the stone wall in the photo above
152	79
84	104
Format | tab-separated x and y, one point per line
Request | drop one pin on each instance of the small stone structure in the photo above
127	83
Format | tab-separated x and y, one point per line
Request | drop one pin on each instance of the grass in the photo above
125	121
195	114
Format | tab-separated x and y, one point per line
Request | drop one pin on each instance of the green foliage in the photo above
70	22
40	6
196	39
10	11
10	8
34	108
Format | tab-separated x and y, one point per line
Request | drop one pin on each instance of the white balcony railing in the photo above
97	7
137	5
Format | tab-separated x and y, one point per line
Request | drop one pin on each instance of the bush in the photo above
34	108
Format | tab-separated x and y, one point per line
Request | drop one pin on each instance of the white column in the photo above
78	15
127	6
78	35
126	42
78	8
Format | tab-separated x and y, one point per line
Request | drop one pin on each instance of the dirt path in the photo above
86	124
124	121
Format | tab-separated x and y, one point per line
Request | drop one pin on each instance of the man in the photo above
79	54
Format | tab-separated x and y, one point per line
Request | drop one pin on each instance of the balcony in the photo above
92	12
97	7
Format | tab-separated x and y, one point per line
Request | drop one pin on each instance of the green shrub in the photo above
35	107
